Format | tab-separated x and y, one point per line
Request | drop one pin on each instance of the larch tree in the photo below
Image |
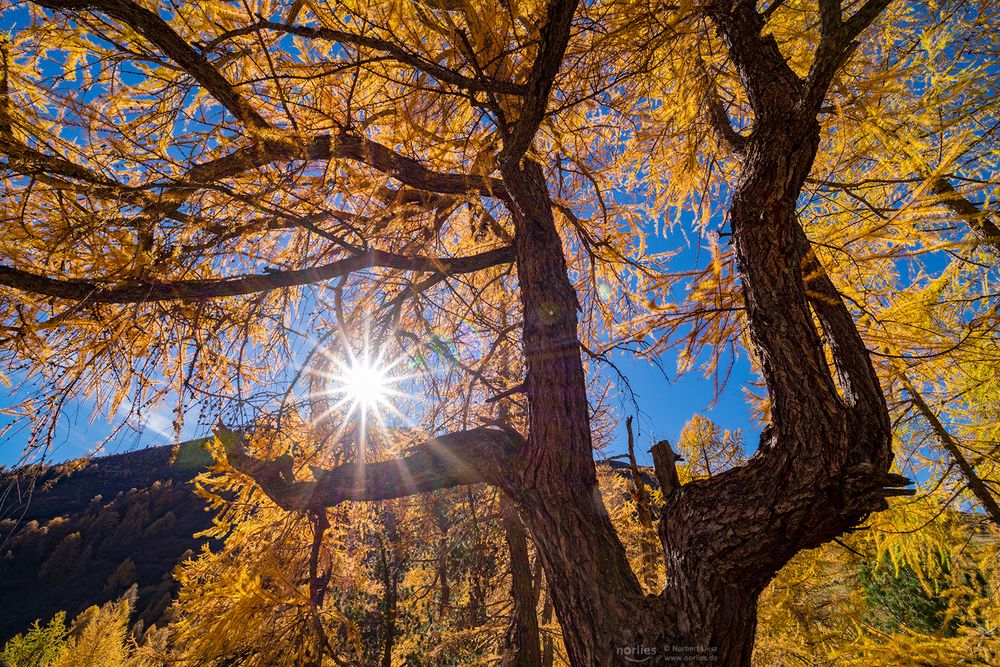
900	211
217	203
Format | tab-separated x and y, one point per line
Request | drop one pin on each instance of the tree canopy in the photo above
231	207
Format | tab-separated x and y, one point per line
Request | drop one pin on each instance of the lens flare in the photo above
365	384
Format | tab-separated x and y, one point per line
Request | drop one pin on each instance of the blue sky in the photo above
662	405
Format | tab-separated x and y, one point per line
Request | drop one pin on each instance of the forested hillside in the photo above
83	532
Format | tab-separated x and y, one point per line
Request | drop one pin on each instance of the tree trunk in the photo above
605	617
440	513
820	468
391	596
522	636
391	568
548	650
651	558
594	591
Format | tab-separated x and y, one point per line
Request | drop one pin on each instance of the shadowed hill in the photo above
81	533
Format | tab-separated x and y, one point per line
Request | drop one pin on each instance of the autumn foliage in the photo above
214	212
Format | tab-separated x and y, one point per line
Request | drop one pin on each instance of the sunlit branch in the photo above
406	170
198	290
976	484
400	54
548	58
978	219
481	455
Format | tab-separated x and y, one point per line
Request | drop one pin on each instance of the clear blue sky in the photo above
661	405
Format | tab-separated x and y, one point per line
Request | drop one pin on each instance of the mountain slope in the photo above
81	533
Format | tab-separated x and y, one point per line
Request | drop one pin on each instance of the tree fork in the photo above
823	462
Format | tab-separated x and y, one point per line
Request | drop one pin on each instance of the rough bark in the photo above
594	591
522	635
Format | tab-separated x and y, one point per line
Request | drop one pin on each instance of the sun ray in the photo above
363	386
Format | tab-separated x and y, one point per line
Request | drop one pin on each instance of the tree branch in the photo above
977	219
160	33
199	290
771	85
406	170
830	18
551	49
719	119
858	380
837	41
397	52
973	480
864	17
481	455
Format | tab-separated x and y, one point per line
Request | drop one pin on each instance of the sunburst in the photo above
366	386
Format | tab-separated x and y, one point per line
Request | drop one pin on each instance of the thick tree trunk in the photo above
605	617
594	591
820	469
822	462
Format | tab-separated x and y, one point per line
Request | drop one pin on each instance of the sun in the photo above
366	385
364	389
